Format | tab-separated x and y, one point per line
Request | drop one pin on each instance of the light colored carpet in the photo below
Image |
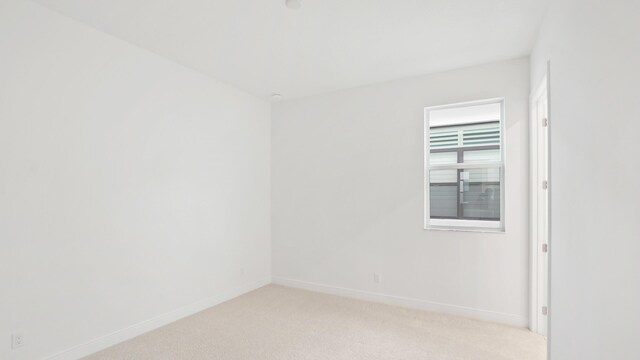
276	322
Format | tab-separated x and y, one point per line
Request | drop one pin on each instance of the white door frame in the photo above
540	187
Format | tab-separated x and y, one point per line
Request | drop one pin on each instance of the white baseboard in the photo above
132	331
479	314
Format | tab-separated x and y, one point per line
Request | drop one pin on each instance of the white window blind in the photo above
447	137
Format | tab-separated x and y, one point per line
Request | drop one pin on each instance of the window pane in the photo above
444	176
443	158
465	115
471	156
481	135
480	196
444	137
481	175
444	201
468	135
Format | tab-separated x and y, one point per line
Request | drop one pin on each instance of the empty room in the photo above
319	179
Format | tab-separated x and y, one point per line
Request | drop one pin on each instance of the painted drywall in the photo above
594	51
131	188
262	46
347	197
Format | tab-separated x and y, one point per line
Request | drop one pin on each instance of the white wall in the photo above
347	197
594	49
130	186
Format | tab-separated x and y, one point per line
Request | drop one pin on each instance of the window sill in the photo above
486	231
466	226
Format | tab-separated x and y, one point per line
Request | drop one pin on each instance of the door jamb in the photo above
535	189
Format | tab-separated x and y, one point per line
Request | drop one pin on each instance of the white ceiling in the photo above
263	47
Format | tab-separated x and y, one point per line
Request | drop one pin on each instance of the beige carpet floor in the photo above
276	322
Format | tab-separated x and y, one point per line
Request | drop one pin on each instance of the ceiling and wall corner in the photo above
263	47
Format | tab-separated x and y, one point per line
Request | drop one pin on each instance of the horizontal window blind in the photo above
448	137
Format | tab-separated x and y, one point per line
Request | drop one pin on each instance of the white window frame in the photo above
458	224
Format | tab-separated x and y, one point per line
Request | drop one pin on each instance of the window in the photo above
464	166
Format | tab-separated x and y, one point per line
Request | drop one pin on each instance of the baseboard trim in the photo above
140	328
479	314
